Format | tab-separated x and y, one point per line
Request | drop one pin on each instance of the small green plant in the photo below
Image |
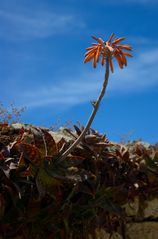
11	114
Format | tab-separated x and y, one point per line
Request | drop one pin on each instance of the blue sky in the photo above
42	45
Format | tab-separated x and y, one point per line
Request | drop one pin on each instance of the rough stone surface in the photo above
151	210
142	230
101	234
62	133
132	208
145	228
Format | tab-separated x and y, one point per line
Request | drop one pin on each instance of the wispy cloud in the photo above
143	41
140	75
149	2
29	24
67	93
141	1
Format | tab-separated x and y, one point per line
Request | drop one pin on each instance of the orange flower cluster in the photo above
110	49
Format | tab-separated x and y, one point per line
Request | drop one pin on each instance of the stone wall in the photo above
140	224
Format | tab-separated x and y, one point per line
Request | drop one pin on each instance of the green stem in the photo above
91	118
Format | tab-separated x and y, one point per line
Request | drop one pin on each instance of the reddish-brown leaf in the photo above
51	145
30	152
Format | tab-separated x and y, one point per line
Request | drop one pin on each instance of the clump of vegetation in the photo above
42	196
12	114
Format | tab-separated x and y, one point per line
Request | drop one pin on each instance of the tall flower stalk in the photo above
105	51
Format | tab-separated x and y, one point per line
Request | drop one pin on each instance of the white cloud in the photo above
142	1
140	75
30	24
143	41
67	93
149	2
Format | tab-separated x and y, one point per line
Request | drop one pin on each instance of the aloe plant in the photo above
106	50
